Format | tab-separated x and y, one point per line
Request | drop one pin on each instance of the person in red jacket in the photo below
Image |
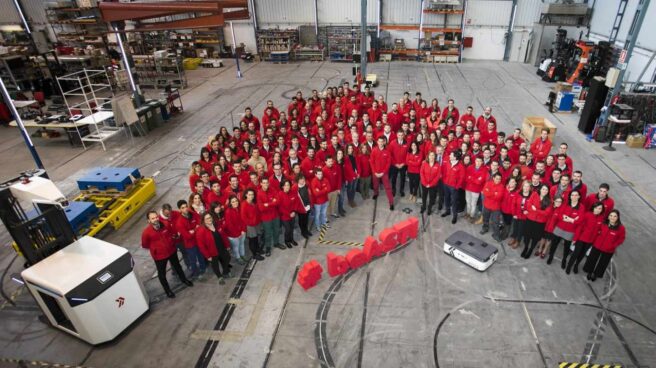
611	235
288	208
267	204
212	247
539	210
451	111
333	174
453	177
235	229
475	177
186	226
251	216
320	187
520	213
430	173
158	239
493	192
541	145
566	226
549	226
413	161
601	196
508	207
350	175
381	160
168	217
398	149
585	235
363	165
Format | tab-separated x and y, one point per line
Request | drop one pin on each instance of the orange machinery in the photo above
586	48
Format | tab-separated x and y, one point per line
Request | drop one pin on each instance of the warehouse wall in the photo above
602	20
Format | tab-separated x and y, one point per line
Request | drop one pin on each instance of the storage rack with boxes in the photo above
160	70
278	41
344	42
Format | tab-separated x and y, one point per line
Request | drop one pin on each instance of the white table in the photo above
19	104
96	118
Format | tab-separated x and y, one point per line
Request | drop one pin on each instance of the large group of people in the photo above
303	165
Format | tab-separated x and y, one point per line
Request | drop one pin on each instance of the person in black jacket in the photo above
304	193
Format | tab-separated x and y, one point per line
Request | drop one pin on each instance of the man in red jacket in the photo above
381	160
476	175
158	239
267	203
398	149
451	111
493	192
320	187
541	146
334	176
186	225
453	176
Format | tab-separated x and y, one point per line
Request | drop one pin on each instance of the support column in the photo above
126	64
511	28
234	50
363	39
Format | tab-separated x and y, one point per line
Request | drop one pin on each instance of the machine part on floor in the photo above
88	289
470	250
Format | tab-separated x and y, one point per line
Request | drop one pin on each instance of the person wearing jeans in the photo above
493	192
381	160
474	182
186	226
320	189
235	229
429	175
452	178
364	171
212	248
251	217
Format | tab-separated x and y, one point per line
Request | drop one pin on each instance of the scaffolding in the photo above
85	92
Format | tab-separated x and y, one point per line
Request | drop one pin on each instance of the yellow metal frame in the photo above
118	210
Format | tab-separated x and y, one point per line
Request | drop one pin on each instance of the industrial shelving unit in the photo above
90	89
344	42
275	40
159	72
77	26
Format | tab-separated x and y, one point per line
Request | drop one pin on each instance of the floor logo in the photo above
120	301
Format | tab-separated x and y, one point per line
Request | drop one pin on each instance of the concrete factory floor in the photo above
416	307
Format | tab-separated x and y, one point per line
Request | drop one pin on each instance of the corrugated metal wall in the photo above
400	11
8	13
528	12
284	12
604	16
486	13
343	11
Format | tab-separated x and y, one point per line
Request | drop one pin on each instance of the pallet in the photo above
111	192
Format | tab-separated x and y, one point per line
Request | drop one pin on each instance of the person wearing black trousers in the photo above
611	235
158	239
539	211
429	176
570	218
413	162
212	247
585	235
303	216
249	214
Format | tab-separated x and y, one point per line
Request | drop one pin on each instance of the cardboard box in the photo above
563	87
532	126
636	141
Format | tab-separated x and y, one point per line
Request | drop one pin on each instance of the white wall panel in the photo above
284	12
488	43
400	11
528	12
244	33
344	11
485	13
604	16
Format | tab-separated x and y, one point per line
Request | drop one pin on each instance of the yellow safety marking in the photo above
215	335
586	365
344	243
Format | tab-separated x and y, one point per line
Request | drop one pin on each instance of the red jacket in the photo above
609	239
430	175
213	197
364	165
380	160
575	213
320	190
234	224
308	167
475	179
186	227
455	114
267	203
521	203
250	214
538	214
453	176
540	149
550	225
158	242
493	195
348	171
398	151
414	161
288	202
334	176
206	243
608	203
589	228
509	202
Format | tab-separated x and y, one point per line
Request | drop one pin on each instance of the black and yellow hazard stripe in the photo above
587	365
36	363
345	243
322	233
